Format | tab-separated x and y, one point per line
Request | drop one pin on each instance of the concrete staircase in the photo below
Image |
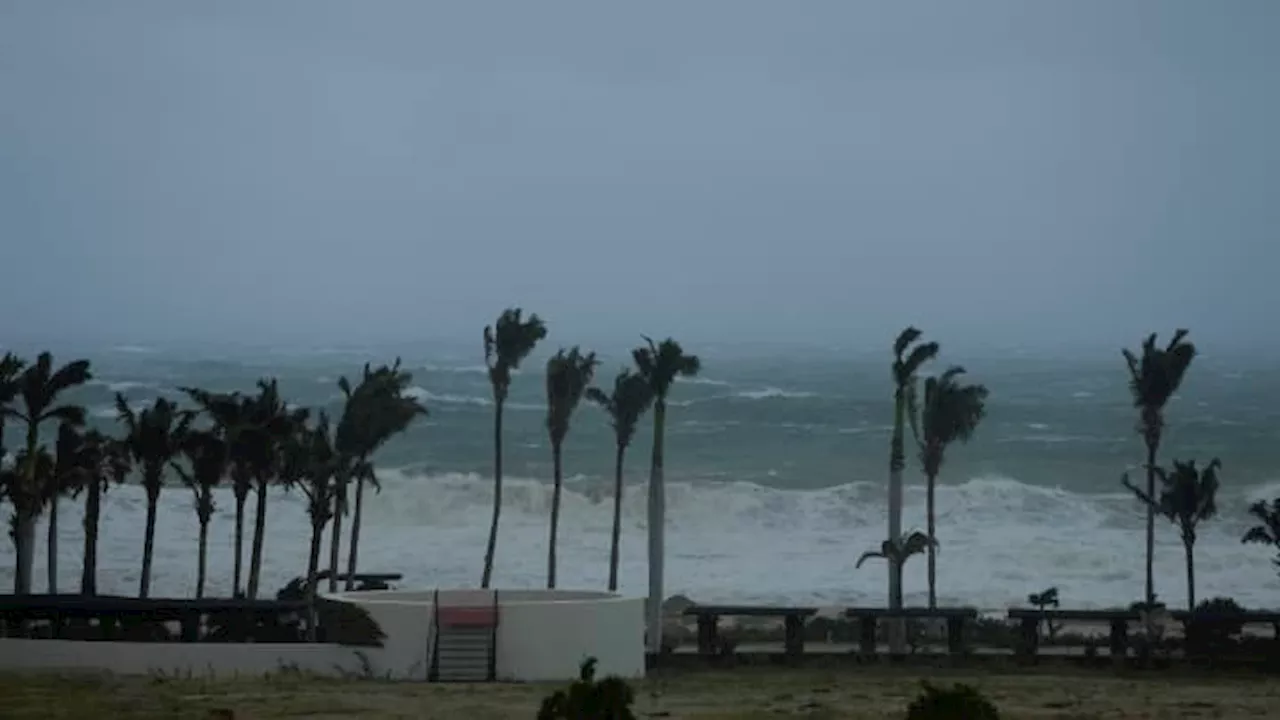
464	644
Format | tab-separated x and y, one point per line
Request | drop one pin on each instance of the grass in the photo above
740	694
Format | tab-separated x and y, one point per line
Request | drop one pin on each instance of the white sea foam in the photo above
1001	539
773	392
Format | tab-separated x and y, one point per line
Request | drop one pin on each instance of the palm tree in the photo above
659	365
268	426
312	465
898	552
153	437
103	461
1187	496
230	415
38	389
10	370
206	455
906	366
951	412
1268	531
568	375
1154	378
506	344
67	477
379	409
630	400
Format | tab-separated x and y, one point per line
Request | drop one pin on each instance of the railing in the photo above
77	617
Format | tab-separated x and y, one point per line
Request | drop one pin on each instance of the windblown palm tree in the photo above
1187	497
230	415
659	365
568	375
39	386
1267	532
268	425
312	464
630	400
10	370
206	455
153	437
103	461
950	413
906	366
898	552
506	344
1154	378
67	477
378	410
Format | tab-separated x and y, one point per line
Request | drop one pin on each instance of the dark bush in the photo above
589	699
959	702
1214	626
338	622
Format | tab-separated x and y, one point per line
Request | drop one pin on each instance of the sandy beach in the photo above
741	694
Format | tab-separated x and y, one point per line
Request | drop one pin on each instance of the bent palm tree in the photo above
659	365
1154	378
630	399
378	410
38	388
1267	532
506	344
950	413
104	461
268	426
568	375
1187	497
206	453
68	477
906	365
152	437
898	552
229	413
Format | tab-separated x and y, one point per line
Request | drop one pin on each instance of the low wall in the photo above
542	635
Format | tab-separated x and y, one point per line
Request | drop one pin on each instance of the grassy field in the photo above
739	694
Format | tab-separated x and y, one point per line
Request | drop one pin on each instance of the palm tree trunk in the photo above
555	516
1152	447
617	518
896	629
313	566
24	543
353	551
489	552
1189	548
933	566
52	541
202	559
657	523
237	572
92	511
259	539
335	544
148	544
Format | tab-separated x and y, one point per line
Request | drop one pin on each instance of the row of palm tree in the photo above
569	376
254	441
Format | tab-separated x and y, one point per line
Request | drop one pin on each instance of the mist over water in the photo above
776	482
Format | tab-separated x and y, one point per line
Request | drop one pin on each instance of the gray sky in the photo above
1016	173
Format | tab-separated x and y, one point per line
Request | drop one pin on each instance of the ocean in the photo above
776	471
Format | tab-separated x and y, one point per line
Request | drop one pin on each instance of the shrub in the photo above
1211	627
590	699
959	702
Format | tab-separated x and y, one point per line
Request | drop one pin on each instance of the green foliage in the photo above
950	413
568	375
338	622
631	399
507	343
897	552
1267	531
661	363
590	699
1214	625
959	702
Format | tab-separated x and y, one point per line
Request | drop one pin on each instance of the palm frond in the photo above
908	335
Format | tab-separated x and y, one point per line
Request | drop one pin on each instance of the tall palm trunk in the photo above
237	571
25	513
933	559
353	551
617	518
92	513
313	566
555	515
897	461
1189	548
52	551
202	551
335	545
497	495
1153	445
657	527
148	541
259	539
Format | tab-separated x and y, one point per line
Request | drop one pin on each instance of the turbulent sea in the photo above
777	470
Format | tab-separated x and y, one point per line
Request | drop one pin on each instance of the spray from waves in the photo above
123	386
431	398
703	381
770	393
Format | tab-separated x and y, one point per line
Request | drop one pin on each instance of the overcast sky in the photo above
1015	173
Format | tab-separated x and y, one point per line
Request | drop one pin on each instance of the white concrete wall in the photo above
542	635
201	659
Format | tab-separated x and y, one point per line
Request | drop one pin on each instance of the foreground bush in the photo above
1214	626
959	702
589	699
